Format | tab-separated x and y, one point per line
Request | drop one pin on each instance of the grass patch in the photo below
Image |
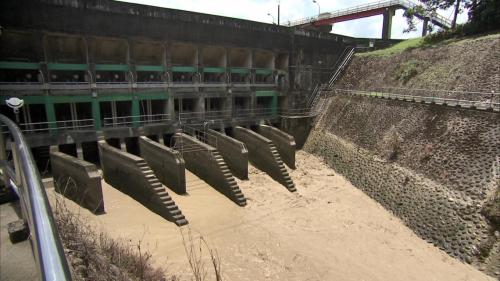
407	70
395	49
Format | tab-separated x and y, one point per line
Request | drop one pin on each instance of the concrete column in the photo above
170	107
425	26
387	23
79	151
123	145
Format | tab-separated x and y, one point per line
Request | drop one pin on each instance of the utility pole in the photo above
278	12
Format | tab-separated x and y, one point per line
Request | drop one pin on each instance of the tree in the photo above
431	6
484	15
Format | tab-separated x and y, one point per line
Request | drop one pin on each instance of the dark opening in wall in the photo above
264	78
60	76
214	77
20	76
69	148
241	103
111	77
152	110
63	113
240	78
106	110
132	145
188	105
264	102
150	76
91	152
182	77
114	142
41	155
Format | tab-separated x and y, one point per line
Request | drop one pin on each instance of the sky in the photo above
258	10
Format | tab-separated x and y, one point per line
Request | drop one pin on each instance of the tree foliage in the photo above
484	15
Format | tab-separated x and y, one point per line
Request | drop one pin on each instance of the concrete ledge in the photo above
284	142
132	175
167	164
233	151
264	155
86	190
206	162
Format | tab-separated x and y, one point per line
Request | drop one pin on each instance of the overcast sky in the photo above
257	10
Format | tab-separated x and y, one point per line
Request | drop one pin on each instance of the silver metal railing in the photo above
464	99
435	17
139	119
25	179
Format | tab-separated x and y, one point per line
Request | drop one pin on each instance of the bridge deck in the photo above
368	10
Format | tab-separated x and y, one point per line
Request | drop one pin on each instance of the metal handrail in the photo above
47	248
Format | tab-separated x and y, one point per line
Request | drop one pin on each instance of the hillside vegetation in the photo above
468	65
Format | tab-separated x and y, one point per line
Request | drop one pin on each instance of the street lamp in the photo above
319	9
269	14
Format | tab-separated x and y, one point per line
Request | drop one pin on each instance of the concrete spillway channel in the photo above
265	156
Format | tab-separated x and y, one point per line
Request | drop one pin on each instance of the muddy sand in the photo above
328	230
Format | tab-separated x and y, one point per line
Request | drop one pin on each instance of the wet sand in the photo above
328	230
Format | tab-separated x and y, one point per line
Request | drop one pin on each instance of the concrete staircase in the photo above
235	192
161	196
285	180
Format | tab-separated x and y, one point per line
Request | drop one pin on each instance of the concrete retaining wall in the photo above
233	151
284	142
264	155
132	175
445	217
166	163
206	162
86	190
298	127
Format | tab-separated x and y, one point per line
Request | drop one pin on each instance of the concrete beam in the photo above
131	175
77	180
205	161
264	155
284	142
233	151
167	164
387	23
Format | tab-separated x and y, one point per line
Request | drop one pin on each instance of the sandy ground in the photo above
328	230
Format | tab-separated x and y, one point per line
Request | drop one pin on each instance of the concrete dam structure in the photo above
157	121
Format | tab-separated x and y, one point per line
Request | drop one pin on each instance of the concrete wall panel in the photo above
86	190
205	161
132	175
284	142
264	155
298	127
233	151
167	164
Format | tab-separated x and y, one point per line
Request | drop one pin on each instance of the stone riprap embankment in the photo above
434	167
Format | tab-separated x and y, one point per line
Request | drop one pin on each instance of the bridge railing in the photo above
367	7
24	178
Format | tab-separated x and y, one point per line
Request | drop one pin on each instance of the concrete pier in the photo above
131	175
205	161
167	164
77	180
284	142
233	151
264	155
